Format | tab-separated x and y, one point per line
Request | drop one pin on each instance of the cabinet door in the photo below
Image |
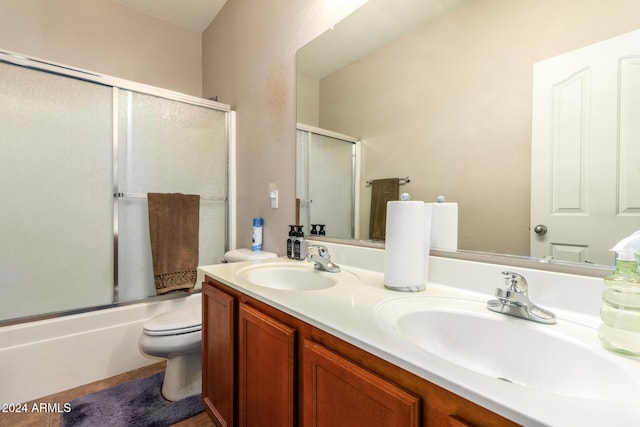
337	392
266	362
218	357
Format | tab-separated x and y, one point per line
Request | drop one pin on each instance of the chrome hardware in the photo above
320	255
540	229
513	300
515	282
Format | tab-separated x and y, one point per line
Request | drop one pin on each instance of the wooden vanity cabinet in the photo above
263	367
219	355
338	392
248	363
266	370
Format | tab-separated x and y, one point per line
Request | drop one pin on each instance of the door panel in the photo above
585	174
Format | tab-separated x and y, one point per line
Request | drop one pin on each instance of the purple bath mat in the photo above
136	403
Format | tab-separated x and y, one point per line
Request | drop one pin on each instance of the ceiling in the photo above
195	15
375	24
375	19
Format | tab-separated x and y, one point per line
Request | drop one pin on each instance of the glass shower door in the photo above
166	146
331	184
56	222
325	182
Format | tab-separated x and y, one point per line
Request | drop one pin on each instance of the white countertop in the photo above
348	310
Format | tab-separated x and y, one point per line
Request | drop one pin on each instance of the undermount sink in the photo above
564	358
291	276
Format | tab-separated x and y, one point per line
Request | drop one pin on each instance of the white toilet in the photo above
177	336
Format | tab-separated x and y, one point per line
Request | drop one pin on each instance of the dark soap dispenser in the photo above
290	240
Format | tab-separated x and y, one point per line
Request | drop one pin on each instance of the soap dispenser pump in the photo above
620	311
299	245
290	240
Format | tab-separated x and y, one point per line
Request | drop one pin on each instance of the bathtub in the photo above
43	357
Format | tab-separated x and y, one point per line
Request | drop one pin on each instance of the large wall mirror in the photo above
524	112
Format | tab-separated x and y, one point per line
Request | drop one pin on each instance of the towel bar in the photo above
405	180
144	196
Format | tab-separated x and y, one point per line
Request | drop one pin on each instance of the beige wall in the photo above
105	37
308	100
450	106
249	63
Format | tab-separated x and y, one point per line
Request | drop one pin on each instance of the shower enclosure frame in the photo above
118	85
304	178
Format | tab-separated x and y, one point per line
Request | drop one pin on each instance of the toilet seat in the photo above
175	322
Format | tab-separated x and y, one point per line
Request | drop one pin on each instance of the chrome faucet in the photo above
514	301
321	258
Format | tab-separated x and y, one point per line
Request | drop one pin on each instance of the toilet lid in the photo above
245	254
175	322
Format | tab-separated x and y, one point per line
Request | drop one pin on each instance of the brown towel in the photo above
382	191
174	224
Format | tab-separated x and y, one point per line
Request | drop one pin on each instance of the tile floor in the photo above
52	419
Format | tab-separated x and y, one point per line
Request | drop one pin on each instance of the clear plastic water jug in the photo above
620	311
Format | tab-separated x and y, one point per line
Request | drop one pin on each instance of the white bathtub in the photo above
47	356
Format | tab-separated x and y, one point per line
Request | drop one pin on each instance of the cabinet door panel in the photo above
218	361
339	392
266	359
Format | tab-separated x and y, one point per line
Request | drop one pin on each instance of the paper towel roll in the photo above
404	246
444	226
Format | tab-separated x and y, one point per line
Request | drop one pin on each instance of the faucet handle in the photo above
322	260
322	250
515	282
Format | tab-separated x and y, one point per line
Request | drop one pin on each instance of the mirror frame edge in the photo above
554	266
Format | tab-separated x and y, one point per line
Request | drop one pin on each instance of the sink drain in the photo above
506	380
